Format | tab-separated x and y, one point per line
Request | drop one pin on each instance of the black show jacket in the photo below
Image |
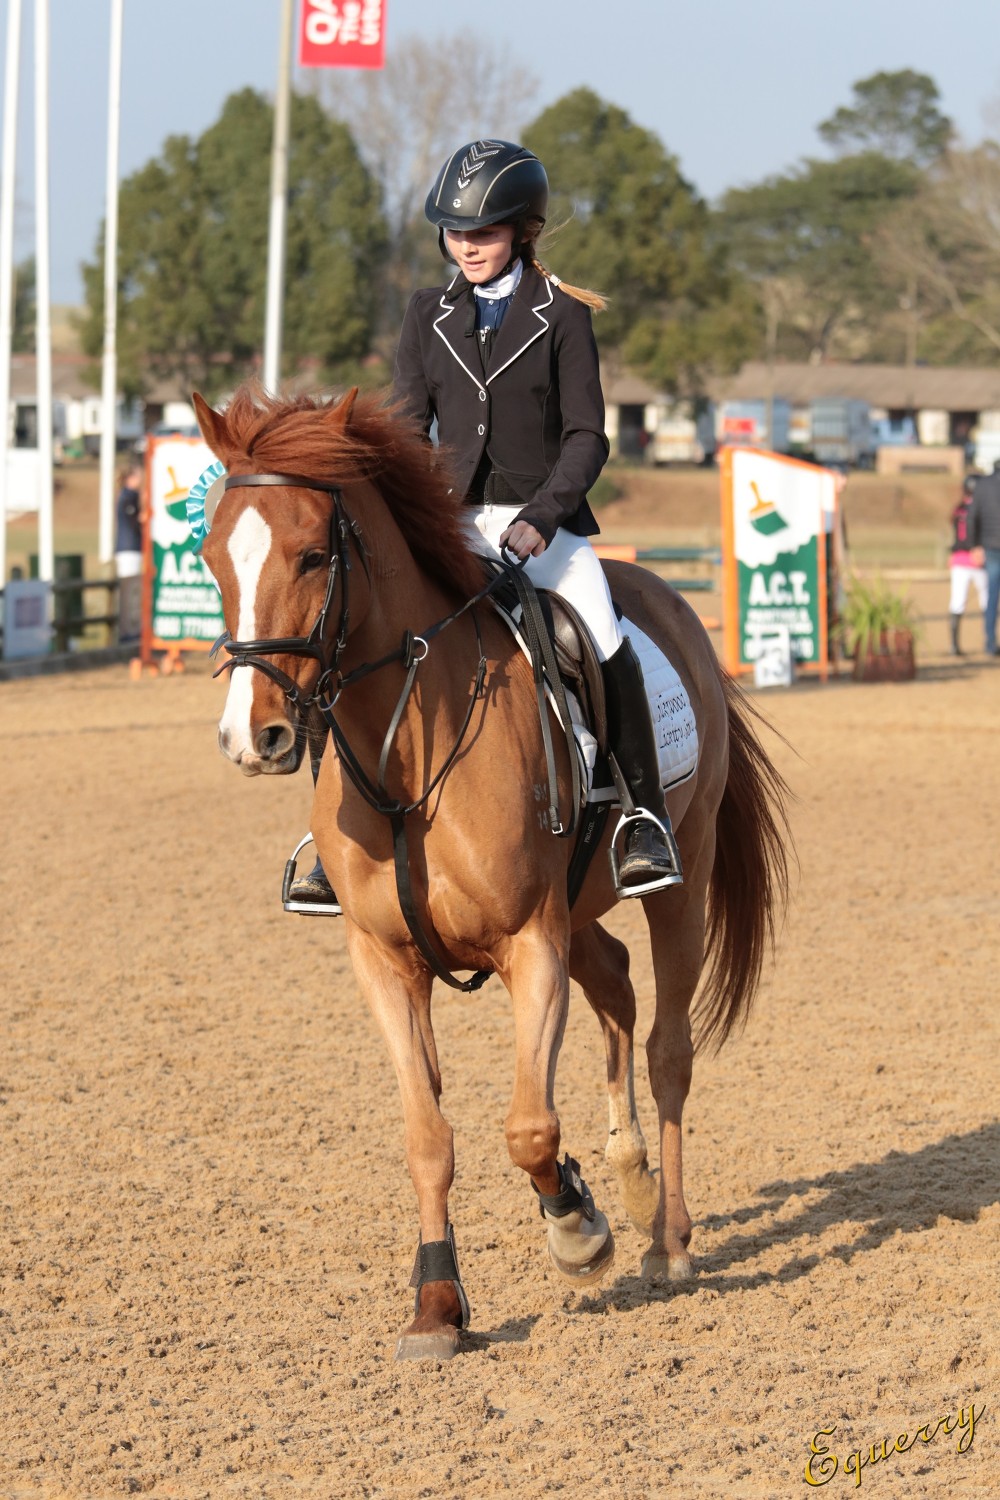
539	410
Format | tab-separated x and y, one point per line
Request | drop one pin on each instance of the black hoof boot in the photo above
651	859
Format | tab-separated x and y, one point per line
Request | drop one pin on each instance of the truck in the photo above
683	434
888	431
842	436
985	438
744	424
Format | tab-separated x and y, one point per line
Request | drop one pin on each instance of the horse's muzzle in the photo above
276	750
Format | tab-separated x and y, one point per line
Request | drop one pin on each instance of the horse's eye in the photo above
312	560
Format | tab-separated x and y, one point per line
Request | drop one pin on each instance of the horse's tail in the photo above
748	889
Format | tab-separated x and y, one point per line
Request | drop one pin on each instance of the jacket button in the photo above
482	395
482	429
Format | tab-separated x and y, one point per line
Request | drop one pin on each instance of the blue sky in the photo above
733	89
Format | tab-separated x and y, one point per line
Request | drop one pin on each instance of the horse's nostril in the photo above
273	740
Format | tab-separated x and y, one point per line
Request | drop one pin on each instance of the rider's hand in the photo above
523	540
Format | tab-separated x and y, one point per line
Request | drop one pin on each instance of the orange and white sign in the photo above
779	517
342	34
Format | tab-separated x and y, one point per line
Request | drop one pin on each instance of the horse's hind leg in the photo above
401	1005
599	964
676	921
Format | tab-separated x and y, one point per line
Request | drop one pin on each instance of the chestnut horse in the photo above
336	540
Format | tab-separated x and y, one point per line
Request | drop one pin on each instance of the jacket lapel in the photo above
525	322
449	326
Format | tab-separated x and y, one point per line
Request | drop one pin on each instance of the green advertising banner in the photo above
185	607
778	514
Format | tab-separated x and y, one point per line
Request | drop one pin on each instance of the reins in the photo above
375	793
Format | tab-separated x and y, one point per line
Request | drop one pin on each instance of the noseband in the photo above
256	653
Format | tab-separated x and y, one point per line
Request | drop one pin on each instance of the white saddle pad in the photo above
672	714
669	706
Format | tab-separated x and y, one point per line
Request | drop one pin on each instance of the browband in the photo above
296	481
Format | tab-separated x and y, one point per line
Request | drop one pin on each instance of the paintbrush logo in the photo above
765	516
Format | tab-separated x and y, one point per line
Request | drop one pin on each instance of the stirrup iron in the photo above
304	908
657	883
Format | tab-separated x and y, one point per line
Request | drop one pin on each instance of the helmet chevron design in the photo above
488	182
475	159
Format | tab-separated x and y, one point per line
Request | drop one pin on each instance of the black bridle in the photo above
255	653
331	682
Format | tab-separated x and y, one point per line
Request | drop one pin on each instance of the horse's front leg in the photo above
400	999
580	1243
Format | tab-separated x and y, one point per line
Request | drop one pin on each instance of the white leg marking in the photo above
249	546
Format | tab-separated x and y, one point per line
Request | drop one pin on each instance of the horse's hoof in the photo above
657	1266
443	1343
589	1271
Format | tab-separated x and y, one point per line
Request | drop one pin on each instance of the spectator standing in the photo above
964	570
984	543
128	523
128	553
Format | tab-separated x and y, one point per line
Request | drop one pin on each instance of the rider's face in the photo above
480	254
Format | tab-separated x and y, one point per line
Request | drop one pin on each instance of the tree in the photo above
895	114
430	97
23	337
625	222
806	240
193	252
948	246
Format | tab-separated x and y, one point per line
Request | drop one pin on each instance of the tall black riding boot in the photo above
651	860
314	891
955	621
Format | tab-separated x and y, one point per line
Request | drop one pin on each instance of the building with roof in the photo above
948	405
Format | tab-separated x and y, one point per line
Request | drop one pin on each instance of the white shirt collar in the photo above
502	286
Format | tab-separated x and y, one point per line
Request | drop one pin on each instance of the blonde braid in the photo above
593	300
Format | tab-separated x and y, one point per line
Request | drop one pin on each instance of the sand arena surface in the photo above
207	1224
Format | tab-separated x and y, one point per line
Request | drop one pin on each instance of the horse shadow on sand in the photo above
905	1192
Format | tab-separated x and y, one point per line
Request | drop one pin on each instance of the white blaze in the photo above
248	548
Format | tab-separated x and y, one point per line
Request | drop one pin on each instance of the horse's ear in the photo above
340	414
213	426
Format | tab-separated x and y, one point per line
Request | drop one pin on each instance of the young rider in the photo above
504	359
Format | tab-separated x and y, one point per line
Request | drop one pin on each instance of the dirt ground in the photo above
207	1224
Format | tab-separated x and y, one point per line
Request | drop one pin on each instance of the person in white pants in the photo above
504	360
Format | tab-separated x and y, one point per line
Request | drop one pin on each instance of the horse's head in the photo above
275	548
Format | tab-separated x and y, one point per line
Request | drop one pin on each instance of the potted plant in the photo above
878	628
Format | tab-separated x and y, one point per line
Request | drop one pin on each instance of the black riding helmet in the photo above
488	182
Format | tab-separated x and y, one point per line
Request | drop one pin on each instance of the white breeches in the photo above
569	566
962	577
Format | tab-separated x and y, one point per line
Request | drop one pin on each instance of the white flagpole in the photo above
43	296
109	381
279	206
9	170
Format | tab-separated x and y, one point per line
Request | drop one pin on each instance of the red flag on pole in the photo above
342	34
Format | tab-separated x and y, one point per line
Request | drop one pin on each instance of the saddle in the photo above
577	660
